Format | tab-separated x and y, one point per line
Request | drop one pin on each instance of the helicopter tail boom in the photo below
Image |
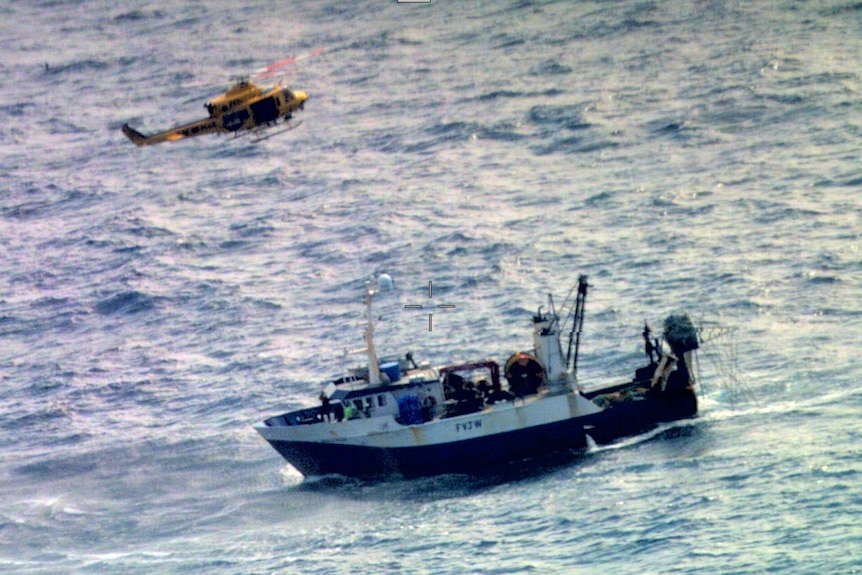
135	136
208	126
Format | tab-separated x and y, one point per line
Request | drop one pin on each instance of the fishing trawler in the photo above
394	417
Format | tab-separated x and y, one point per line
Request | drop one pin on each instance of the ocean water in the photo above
156	302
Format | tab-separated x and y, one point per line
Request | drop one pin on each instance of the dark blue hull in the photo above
630	418
466	456
487	453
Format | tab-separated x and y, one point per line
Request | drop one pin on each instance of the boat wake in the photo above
663	431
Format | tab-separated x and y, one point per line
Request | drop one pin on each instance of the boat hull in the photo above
635	417
474	443
464	456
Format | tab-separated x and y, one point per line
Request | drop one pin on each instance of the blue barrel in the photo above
410	410
391	369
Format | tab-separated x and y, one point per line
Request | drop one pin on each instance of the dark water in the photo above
156	302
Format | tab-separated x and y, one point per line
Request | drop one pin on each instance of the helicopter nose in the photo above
300	97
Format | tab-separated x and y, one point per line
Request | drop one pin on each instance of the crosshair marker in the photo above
430	315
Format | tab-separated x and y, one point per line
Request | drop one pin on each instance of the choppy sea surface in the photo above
156	302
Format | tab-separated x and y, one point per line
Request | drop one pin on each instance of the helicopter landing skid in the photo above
260	136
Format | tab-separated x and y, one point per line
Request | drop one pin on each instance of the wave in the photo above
842	10
138	16
76	67
569	117
463	131
128	302
575	145
551	68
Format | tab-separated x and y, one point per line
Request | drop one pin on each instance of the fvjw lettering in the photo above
468	425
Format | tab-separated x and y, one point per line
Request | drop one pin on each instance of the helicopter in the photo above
244	107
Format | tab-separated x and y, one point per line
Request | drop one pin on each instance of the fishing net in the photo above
720	348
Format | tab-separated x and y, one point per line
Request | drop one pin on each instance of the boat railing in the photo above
300	417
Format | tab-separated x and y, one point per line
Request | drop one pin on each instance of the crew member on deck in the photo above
524	375
483	388
467	398
349	411
497	394
325	408
338	411
651	349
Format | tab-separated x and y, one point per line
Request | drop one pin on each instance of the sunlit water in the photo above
156	302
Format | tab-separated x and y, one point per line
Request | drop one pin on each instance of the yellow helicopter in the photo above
245	107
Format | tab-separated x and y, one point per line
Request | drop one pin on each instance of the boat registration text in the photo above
468	425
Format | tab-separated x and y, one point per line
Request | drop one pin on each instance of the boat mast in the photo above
383	282
577	324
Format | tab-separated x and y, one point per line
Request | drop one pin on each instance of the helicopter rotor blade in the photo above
204	88
271	70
